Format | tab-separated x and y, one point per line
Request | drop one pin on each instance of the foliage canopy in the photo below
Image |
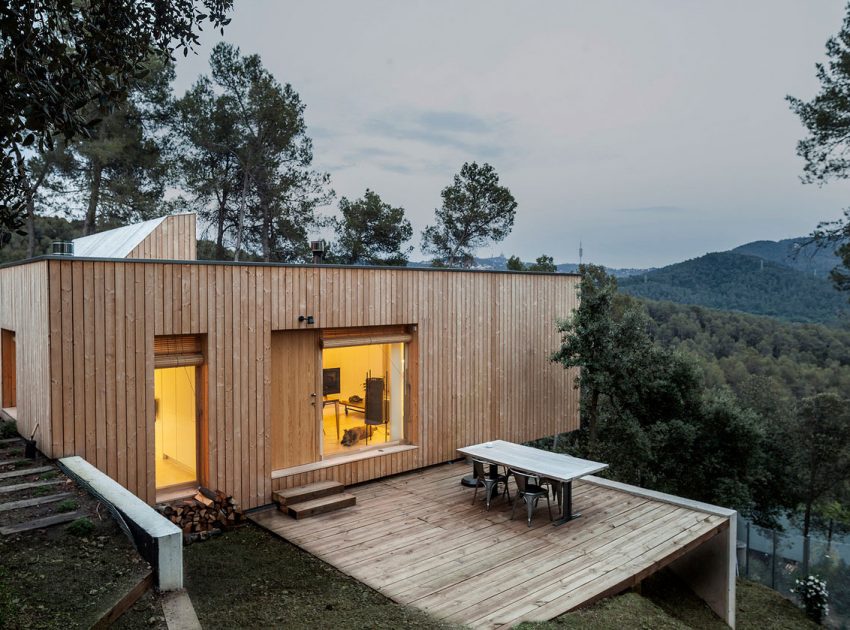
476	210
63	64
371	232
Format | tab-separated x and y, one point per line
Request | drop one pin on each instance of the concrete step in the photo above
322	505
291	496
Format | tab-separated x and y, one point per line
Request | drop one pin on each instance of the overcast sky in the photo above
652	131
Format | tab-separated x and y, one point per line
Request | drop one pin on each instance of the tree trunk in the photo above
807	519
94	198
267	228
241	222
219	234
31	224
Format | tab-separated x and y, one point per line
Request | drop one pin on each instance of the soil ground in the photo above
51	578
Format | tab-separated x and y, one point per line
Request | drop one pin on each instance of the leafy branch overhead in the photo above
826	149
64	64
476	210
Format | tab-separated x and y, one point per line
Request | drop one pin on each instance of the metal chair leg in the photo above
513	507
549	505
489	485
530	503
475	494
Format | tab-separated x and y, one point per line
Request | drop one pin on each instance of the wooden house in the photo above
167	372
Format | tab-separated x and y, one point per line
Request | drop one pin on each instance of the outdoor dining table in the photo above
544	464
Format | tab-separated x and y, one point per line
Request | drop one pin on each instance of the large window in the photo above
362	396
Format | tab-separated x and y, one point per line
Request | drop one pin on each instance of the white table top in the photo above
533	460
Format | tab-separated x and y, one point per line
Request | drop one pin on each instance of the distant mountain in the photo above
500	263
797	253
746	283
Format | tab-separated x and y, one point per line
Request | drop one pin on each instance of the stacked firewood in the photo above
208	513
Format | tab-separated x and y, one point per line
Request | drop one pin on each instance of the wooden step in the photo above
290	496
40	523
35	501
31	484
322	505
26	471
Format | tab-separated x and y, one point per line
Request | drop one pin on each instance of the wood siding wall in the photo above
173	239
480	359
23	309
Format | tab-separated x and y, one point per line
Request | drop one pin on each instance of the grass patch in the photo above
8	430
616	613
50	474
81	527
42	491
7	602
68	505
666	603
248	578
50	579
761	607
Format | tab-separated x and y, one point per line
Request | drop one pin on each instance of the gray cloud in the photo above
456	130
653	210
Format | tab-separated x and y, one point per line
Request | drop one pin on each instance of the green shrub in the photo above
68	505
8	430
81	527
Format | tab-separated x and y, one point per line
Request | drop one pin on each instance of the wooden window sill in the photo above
338	460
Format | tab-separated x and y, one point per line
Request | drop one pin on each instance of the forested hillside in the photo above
749	284
759	358
798	253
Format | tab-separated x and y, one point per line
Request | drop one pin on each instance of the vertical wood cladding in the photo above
173	239
24	310
479	360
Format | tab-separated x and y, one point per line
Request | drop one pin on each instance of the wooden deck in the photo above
417	539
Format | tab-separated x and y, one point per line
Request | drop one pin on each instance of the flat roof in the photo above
240	263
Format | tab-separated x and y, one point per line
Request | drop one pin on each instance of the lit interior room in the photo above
363	397
176	426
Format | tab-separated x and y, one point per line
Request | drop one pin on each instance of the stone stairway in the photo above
313	499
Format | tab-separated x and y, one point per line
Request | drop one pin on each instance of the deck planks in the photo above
417	539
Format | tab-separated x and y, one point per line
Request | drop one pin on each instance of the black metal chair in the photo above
553	485
487	475
529	492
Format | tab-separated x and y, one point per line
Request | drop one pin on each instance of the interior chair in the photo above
530	492
375	405
488	476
